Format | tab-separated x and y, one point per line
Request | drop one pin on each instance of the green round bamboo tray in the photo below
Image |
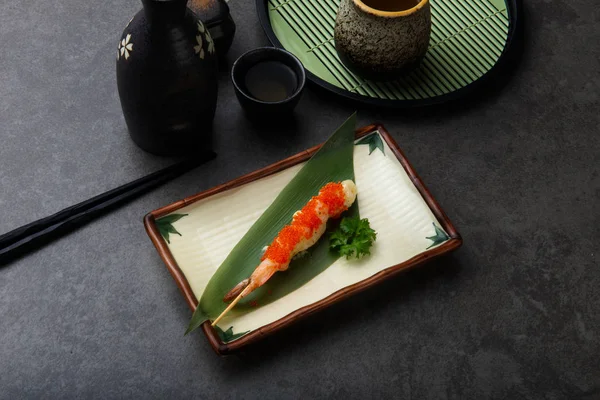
471	41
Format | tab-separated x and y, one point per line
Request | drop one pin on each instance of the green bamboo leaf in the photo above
171	229
439	237
165	226
164	232
228	335
198	319
378	143
374	141
169	219
236	335
333	162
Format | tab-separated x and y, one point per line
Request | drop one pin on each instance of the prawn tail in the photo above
239	288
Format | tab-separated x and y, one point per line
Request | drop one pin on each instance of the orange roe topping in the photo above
308	217
331	196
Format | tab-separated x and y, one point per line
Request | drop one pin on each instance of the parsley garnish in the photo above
353	238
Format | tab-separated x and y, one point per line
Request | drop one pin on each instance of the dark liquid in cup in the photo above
391	5
271	81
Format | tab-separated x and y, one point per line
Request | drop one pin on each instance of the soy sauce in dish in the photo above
271	81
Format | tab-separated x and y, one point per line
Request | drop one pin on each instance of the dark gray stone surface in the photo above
514	314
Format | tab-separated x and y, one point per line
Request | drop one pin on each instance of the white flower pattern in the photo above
125	47
211	44
199	47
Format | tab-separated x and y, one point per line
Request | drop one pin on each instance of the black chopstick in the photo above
28	237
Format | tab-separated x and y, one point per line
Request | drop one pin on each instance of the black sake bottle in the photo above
167	79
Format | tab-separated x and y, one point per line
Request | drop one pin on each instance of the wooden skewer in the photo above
231	305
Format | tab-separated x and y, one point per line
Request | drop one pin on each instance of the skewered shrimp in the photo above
306	228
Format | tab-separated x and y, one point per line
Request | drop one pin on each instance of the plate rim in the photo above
221	348
513	38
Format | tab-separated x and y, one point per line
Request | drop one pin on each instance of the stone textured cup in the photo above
384	42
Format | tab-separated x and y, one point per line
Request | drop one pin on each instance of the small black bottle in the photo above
217	19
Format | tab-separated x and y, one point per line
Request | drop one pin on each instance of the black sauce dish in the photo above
268	82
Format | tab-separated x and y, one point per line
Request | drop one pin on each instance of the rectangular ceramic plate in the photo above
200	231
